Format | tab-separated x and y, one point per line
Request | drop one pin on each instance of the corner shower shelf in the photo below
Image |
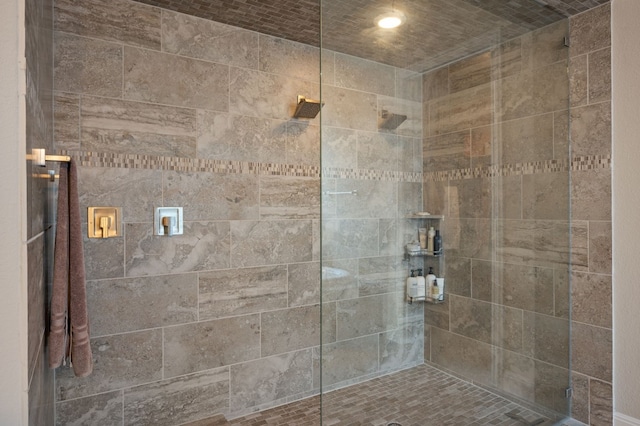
426	216
424	299
425	253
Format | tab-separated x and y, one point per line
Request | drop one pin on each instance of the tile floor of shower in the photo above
419	396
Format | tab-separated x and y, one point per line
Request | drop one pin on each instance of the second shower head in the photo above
307	108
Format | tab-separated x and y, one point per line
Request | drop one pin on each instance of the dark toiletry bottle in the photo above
437	242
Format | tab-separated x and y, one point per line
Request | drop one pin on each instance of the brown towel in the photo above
69	328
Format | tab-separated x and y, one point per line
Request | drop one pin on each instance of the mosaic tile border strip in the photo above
591	162
138	161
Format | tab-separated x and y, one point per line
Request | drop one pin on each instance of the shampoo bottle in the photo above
437	242
430	237
422	234
422	286
412	285
431	282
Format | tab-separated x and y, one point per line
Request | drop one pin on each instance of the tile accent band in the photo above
139	161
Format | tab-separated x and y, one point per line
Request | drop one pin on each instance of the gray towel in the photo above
69	327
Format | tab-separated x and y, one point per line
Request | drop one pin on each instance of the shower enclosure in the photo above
481	95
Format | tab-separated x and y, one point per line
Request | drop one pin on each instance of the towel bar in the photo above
40	157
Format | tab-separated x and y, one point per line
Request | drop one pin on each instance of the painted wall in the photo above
28	122
626	204
499	170
165	109
13	326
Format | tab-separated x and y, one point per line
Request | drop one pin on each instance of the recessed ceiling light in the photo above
391	20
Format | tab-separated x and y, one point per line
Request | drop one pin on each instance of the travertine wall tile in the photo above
203	246
136	191
349	238
600	248
84	65
340	279
377	151
473	198
591	299
366	315
288	330
591	349
241	291
270	379
303	283
363	75
580	399
119	361
467	237
531	92
471	318
256	243
339	147
110	125
601	403
546	45
66	120
36	302
349	109
516	374
284	57
591	195
123	305
507	326
446	152
205	345
186	35
119	20
186	398
371	201
591	129
546	338
284	197
402	347
303	143
103	409
435	84
470	72
175	80
346	360
551	381
526	139
600	76
239	137
546	196
579	80
462	110
276	97
212	196
103	258
384	274
591	31
466	356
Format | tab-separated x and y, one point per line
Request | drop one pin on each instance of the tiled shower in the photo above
165	109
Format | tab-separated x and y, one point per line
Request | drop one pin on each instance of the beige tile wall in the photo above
39	134
501	176
163	109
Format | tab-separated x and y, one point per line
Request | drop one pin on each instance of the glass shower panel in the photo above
460	112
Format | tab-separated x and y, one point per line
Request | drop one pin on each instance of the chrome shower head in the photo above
307	108
390	121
